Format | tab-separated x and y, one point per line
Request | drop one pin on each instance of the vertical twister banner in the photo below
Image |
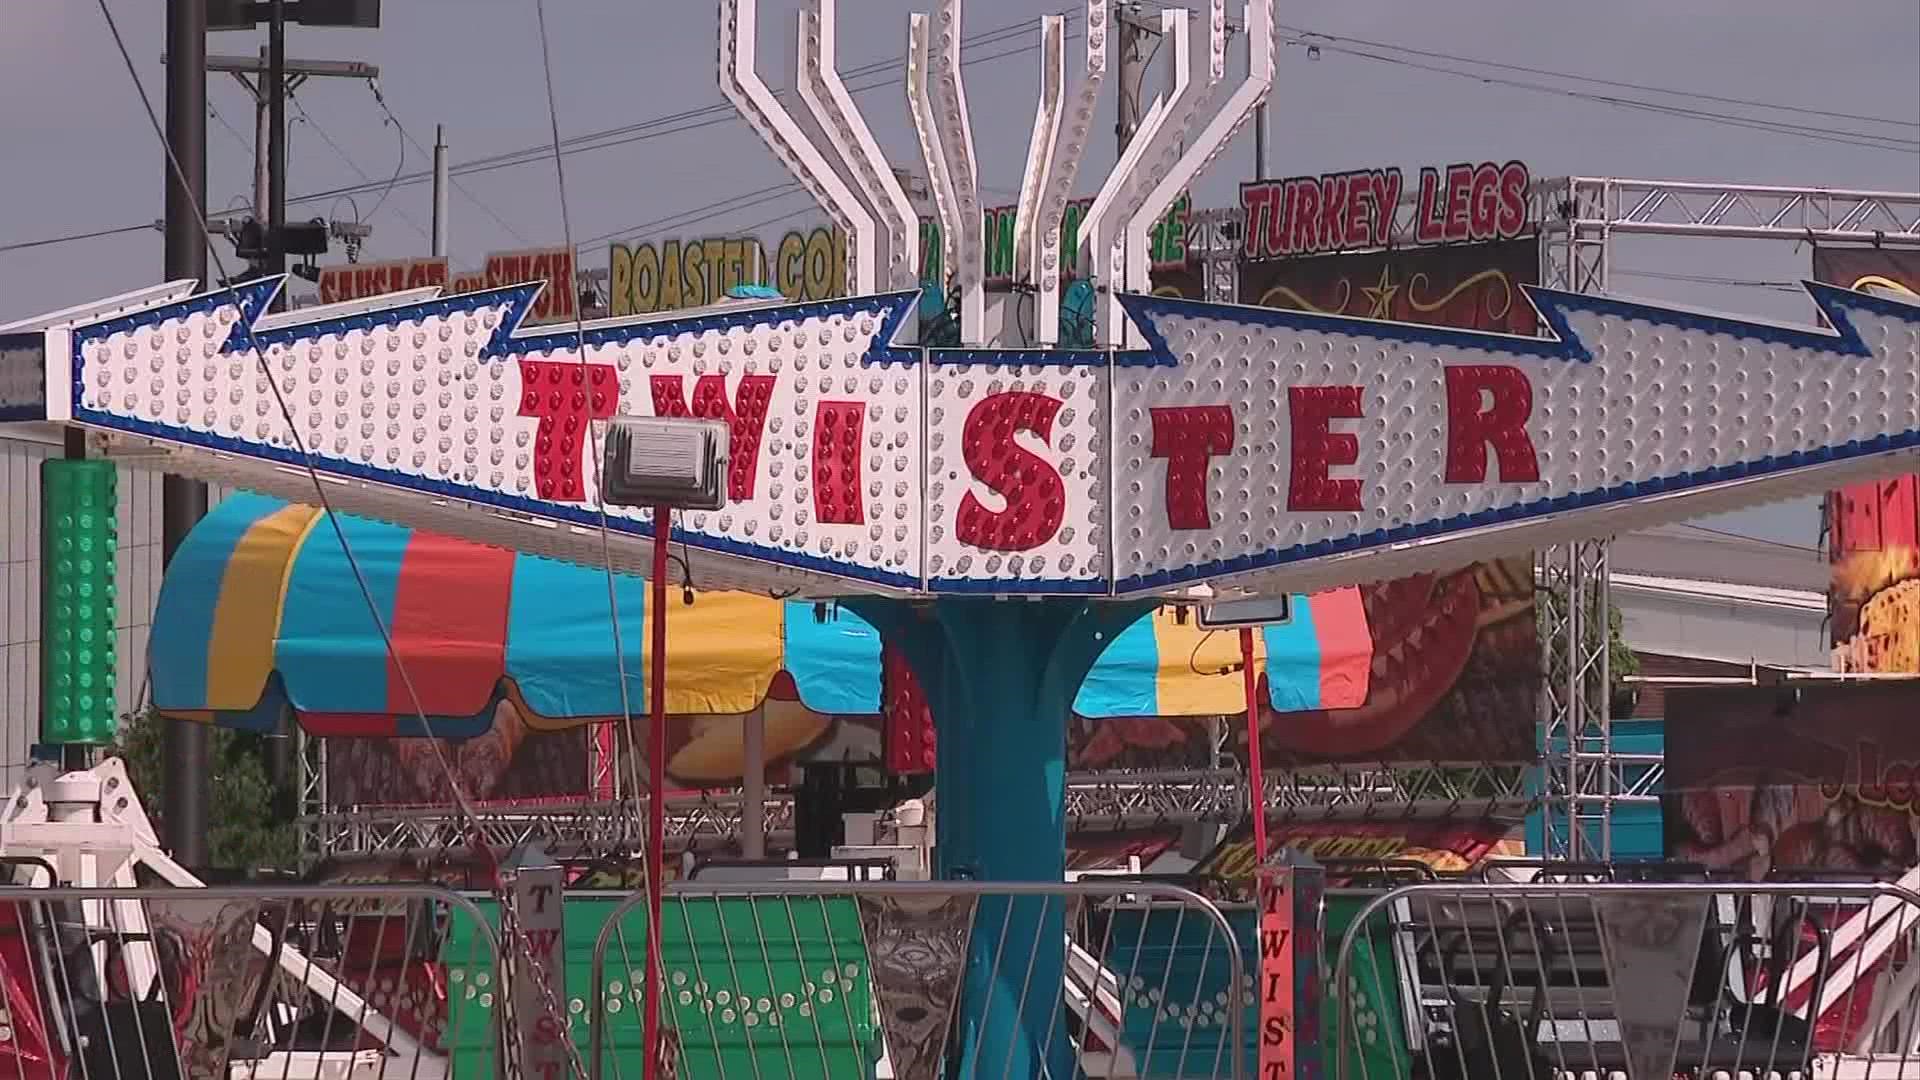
1288	981
1873	540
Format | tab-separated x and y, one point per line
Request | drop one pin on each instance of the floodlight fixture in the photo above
1248	613
667	461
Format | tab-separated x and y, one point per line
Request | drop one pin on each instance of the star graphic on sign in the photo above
1380	297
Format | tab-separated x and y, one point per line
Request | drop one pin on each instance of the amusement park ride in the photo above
1001	509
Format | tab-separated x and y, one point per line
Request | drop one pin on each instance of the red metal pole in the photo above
1256	794
657	783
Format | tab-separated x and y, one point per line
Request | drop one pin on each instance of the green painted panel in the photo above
758	986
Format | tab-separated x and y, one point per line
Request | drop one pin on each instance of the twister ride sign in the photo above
1243	448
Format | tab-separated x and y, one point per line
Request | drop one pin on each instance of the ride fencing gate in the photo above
1565	978
1625	981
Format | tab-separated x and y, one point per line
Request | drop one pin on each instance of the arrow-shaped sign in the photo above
444	400
1292	442
1273	449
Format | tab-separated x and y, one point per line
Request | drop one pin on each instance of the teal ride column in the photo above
1000	677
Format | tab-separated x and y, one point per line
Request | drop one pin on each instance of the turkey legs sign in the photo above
1246	448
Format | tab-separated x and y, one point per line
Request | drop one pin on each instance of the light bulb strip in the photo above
741	84
1050	262
832	106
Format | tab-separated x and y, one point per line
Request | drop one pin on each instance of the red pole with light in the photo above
657	781
1255	792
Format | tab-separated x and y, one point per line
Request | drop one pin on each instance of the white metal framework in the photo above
1584	778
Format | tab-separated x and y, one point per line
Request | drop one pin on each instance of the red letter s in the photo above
1036	497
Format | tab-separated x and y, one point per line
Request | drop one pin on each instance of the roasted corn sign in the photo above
689	272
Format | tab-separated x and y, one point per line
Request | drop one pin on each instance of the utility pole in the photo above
1260	141
1134	31
183	502
440	180
270	118
276	261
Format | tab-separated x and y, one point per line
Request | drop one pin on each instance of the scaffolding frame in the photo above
1583	778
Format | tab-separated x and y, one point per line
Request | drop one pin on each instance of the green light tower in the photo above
79	541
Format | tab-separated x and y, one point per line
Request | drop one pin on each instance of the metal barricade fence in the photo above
923	980
282	982
1643	981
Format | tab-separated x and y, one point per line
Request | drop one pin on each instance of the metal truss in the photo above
578	829
1572	600
1579	218
1213	241
1131	801
1108	801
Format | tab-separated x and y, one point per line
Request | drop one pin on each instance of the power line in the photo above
1712	279
342	154
1304	32
23	245
694	215
679	122
381	100
219	118
1848	138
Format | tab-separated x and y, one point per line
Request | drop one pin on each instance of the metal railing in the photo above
930	979
1613	981
285	982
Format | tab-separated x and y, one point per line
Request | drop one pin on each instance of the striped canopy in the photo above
261	609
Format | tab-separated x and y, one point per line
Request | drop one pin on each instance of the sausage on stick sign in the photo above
1246	447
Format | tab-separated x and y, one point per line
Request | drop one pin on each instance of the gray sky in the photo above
80	154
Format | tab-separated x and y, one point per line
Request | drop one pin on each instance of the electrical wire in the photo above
381	100
461	802
686	120
1304	32
697	214
341	153
1777	127
611	137
220	118
593	456
1712	279
121	230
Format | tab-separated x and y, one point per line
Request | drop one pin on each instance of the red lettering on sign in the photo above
1430	223
1317	447
1276	982
1035	495
1513	199
541	942
1356	230
1333	205
1483	212
1459	192
746	418
1305	214
1489	405
564	395
1386	197
1188	438
1262	220
836	463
